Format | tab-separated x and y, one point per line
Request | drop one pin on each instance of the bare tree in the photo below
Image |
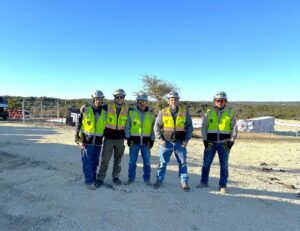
157	88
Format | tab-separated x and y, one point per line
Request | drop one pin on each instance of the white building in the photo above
263	124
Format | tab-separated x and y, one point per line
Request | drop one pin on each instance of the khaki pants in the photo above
109	147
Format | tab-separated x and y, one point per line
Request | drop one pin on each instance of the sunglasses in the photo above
220	100
141	102
119	97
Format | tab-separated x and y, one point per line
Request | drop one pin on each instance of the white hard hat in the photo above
142	96
98	94
220	95
173	94
120	92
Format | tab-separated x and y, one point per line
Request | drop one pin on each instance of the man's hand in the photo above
150	144
208	145
129	142
184	144
163	143
82	109
205	142
229	144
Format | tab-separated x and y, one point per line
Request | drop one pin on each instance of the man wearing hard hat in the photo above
89	132
173	128
219	131
117	113
140	137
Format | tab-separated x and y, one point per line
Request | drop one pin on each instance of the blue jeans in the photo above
133	156
209	154
165	155
90	160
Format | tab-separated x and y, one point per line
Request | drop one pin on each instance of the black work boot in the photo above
98	183
117	181
148	183
202	185
157	184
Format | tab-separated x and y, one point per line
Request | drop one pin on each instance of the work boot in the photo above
185	186
130	181
91	186
222	190
148	183
98	183
157	184
117	181
202	185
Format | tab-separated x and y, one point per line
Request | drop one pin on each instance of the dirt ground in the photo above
41	187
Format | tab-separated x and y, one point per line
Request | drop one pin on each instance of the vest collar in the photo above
219	109
176	110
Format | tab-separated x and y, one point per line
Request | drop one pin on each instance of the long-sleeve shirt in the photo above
204	126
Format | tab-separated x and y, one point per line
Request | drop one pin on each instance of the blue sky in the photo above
69	48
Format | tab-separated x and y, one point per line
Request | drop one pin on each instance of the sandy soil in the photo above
41	187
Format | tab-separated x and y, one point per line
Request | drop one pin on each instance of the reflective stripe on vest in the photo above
168	121
139	129
89	125
111	119
222	126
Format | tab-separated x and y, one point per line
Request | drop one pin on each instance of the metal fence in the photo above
40	110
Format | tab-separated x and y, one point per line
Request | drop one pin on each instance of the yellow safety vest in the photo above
168	121
137	128
111	119
173	131
90	126
220	126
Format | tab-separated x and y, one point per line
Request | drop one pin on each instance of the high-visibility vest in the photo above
112	120
169	127
220	126
139	129
168	121
90	126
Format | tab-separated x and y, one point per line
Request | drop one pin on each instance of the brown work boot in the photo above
185	186
222	190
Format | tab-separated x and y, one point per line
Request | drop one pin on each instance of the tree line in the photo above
244	110
157	90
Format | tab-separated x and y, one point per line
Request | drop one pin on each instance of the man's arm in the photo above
188	127
234	128
78	125
204	127
158	126
128	127
152	136
80	118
